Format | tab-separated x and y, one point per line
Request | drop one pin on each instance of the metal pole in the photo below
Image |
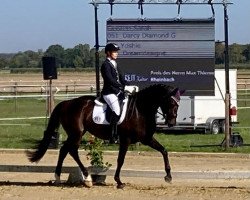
227	104
50	97
97	52
227	121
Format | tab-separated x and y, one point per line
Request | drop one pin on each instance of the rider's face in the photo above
113	55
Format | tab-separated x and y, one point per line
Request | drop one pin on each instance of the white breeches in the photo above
112	101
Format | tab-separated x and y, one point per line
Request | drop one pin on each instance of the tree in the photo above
235	53
34	58
102	56
69	58
246	53
78	62
219	53
58	52
92	58
20	60
82	55
3	63
27	59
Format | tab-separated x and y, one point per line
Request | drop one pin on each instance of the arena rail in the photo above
131	172
16	88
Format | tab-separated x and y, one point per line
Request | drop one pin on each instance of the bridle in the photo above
177	101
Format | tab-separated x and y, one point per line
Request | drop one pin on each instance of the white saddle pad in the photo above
99	112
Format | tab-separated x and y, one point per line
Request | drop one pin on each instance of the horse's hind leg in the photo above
157	146
62	154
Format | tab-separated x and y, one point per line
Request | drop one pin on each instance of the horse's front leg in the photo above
120	160
157	146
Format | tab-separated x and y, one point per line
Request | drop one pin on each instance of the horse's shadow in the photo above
49	183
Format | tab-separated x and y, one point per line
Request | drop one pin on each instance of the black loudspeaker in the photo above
49	68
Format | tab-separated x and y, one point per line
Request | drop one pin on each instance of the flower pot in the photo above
98	179
98	174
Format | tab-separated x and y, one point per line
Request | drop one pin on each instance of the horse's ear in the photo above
177	93
174	91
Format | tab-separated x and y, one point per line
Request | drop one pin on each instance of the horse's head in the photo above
169	106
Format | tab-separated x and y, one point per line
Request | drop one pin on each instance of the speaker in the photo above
49	68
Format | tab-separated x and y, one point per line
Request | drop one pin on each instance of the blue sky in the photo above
37	24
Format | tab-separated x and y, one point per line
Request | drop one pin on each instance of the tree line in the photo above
238	54
82	56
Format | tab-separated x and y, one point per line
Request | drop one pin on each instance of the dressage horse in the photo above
139	125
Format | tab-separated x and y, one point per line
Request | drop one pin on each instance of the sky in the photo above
37	24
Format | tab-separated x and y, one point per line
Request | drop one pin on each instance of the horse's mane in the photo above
155	89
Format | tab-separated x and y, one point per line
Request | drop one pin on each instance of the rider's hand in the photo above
121	95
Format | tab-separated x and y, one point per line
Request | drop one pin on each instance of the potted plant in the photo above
95	155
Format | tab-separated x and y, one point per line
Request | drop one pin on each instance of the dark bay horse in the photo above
139	125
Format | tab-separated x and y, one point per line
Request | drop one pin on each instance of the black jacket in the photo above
110	82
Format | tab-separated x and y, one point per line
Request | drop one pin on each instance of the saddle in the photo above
101	111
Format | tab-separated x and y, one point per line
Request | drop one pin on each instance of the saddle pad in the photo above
99	113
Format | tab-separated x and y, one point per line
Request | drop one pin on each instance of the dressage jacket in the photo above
113	81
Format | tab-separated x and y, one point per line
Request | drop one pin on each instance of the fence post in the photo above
245	93
67	88
74	87
15	93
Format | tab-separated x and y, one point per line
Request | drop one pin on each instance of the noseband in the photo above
176	98
177	101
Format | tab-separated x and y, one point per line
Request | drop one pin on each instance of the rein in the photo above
132	106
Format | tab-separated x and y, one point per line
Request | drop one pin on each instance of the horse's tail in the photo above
43	145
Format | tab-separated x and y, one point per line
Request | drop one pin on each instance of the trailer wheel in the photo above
215	127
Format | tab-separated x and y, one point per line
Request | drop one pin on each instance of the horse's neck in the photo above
147	101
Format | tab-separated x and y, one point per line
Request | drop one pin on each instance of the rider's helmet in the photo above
111	47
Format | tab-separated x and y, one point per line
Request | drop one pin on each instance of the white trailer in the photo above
206	113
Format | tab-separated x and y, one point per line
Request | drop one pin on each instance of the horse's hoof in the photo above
120	186
58	180
168	179
88	184
88	181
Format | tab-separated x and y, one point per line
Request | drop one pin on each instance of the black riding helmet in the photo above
111	47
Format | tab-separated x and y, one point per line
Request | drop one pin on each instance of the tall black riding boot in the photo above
113	123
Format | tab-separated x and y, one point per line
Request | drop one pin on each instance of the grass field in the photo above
24	136
23	133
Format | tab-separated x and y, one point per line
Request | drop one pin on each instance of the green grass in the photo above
243	98
20	136
24	136
244	117
22	107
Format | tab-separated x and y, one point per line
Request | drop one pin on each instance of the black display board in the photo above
178	53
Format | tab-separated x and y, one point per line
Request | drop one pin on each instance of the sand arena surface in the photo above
37	186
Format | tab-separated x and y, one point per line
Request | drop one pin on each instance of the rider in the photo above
113	86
